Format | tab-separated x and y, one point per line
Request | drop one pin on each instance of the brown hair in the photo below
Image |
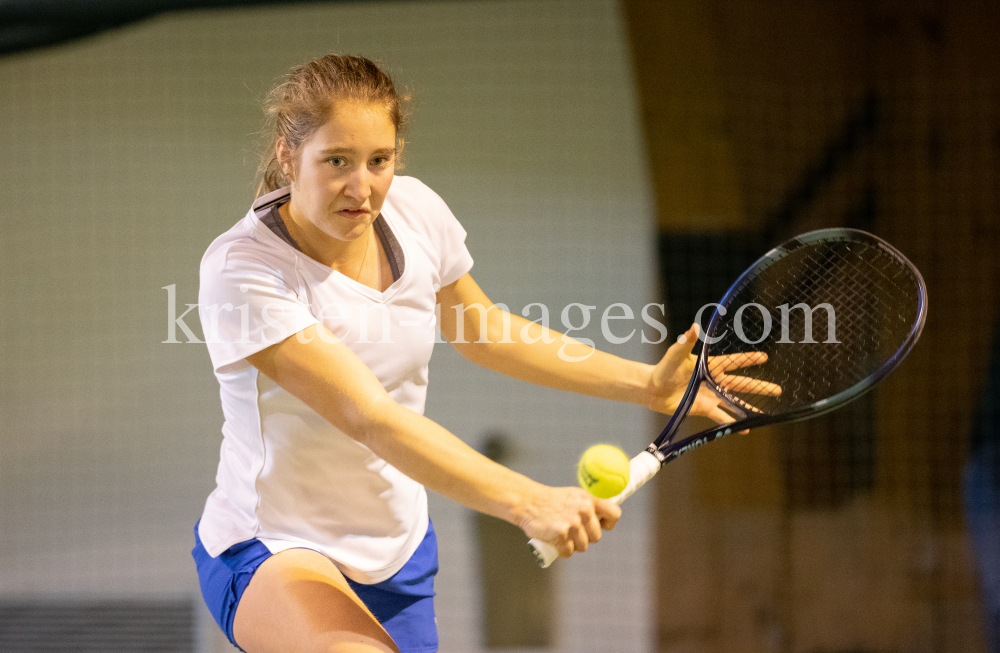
301	104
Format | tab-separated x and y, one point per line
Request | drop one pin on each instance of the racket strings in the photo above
827	315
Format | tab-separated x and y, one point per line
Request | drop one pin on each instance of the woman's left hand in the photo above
670	378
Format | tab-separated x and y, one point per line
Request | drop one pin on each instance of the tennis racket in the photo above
825	316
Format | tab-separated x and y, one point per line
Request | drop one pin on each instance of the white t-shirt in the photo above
286	475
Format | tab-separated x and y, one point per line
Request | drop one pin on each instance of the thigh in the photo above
298	601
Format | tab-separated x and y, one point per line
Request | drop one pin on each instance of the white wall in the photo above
126	153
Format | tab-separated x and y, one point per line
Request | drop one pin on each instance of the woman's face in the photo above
341	173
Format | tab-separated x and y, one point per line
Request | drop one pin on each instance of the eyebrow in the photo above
348	150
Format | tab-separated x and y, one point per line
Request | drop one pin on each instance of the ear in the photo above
285	159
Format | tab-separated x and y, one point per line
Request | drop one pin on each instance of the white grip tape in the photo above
641	468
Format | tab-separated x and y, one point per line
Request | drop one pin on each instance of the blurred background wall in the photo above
596	152
126	153
768	118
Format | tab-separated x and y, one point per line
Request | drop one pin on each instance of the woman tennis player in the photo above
319	312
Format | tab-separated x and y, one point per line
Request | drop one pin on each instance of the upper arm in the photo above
248	300
462	320
327	376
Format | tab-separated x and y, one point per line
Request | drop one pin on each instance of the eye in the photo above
337	161
380	161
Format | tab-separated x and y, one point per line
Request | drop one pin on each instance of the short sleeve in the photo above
247	303
455	257
429	215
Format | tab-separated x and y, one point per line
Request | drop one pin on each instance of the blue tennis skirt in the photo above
403	604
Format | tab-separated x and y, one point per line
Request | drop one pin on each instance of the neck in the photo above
344	256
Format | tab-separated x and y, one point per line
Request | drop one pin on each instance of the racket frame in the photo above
664	449
663	446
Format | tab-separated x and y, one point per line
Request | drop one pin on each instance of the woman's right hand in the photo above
568	518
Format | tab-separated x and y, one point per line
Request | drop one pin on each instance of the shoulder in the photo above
426	215
246	248
420	208
248	237
412	191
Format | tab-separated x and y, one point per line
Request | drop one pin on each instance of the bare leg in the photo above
299	602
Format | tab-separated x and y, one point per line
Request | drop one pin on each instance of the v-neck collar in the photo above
265	210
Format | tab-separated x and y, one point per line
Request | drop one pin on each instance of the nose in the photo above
358	185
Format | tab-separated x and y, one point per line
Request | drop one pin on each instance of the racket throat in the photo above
656	453
732	408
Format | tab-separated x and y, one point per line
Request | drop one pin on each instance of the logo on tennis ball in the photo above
603	470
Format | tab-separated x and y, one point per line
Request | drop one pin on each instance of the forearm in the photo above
431	455
531	352
325	375
332	381
568	518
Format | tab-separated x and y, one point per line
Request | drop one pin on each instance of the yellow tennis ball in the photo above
603	470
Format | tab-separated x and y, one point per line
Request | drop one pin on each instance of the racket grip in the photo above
544	552
641	468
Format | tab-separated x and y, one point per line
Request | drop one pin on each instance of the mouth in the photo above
352	214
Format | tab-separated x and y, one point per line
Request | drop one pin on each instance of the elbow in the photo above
475	352
493	334
370	423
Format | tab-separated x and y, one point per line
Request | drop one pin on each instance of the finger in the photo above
579	538
736	361
565	546
608	512
749	385
750	407
592	525
681	349
690	337
720	416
